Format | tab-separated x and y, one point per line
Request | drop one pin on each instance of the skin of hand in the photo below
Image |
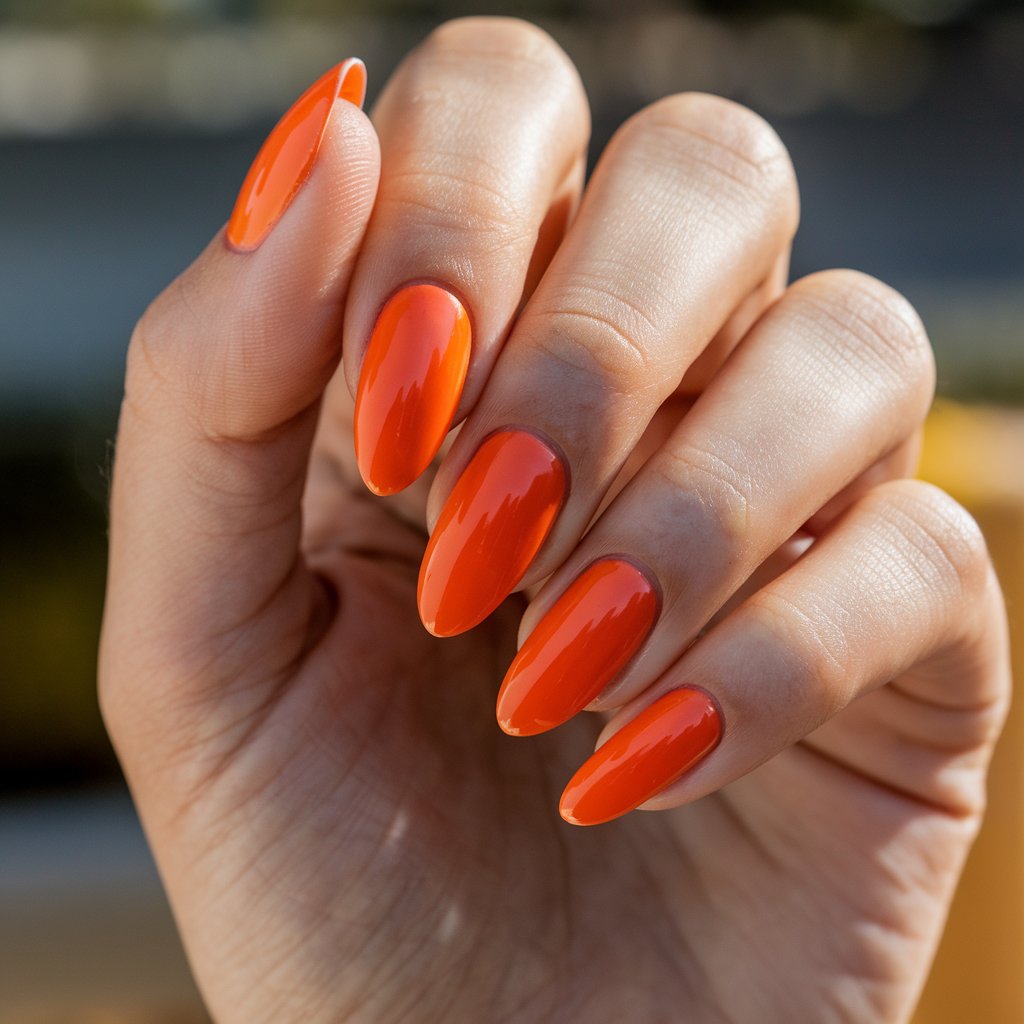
342	828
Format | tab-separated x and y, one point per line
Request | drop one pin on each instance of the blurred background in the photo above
125	128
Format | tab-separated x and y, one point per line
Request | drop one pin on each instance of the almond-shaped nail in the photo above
494	522
287	157
649	753
583	642
410	385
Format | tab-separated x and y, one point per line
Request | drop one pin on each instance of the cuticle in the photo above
715	703
641	567
444	286
553	446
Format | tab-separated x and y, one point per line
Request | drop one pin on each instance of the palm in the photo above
379	823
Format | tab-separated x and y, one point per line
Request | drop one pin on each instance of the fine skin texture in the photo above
344	831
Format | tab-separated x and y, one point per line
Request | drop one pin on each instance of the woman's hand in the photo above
658	437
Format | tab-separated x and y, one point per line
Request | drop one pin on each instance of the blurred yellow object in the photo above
977	454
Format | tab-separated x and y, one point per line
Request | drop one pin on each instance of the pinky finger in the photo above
902	581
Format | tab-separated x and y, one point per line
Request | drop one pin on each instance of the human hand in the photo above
344	831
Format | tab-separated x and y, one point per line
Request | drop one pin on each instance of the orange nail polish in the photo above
286	159
582	643
493	524
410	385
649	753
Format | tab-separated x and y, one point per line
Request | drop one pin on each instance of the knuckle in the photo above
471	200
717	496
945	542
177	368
813	643
739	150
604	337
474	79
157	343
501	43
872	325
584	342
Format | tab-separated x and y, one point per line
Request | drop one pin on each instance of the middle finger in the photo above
686	215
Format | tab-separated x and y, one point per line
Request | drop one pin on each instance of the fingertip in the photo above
513	724
377	487
427	609
508	727
352	81
513	717
569	808
567	816
507	723
289	154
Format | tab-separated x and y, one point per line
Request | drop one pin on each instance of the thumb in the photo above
225	371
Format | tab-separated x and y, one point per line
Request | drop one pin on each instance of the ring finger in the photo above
900	588
836	375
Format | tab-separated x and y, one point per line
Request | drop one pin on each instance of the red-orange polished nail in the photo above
492	525
649	753
287	156
410	385
582	643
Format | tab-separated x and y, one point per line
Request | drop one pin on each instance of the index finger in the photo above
482	129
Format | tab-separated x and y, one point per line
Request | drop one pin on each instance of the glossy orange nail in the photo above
493	524
643	757
287	157
410	385
582	643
